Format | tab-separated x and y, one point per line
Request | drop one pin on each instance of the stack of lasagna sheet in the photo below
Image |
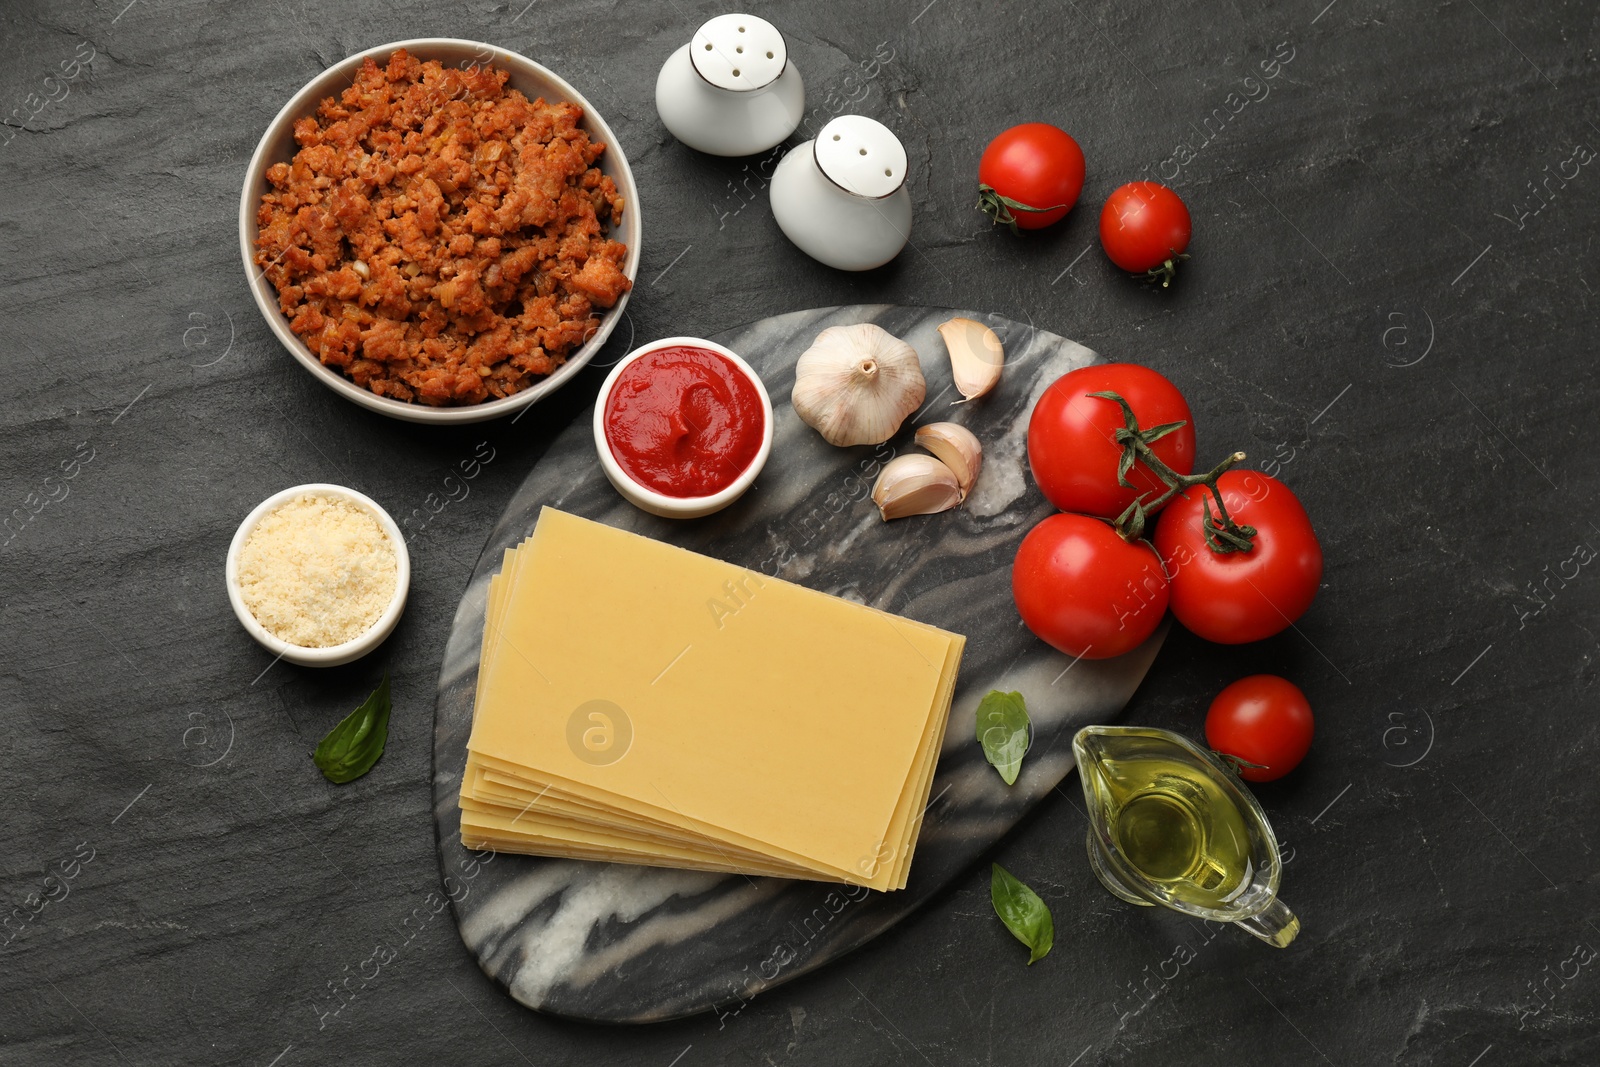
640	703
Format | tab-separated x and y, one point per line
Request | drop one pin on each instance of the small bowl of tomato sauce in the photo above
683	426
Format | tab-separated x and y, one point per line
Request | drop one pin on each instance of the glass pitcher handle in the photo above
1276	925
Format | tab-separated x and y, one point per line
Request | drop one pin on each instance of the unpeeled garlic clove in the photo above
915	485
957	448
976	356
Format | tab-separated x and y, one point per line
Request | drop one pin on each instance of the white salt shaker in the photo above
732	90
842	197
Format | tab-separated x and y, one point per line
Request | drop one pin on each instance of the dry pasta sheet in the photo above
641	703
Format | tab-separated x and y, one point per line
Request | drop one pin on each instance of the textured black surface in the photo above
1351	209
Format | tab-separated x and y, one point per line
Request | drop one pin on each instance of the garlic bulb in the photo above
956	448
915	484
856	384
976	356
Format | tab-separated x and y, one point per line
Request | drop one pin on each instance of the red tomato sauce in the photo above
684	421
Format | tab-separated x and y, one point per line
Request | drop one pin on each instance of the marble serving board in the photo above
615	943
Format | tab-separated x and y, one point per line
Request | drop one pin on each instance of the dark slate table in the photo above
1391	304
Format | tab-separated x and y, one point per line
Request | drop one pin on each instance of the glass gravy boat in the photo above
1170	824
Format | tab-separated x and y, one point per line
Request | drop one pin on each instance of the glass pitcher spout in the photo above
1274	924
1171	825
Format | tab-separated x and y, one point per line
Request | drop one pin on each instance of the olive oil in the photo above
1171	821
1171	825
1178	829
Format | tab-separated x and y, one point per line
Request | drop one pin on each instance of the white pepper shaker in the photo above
842	197
731	91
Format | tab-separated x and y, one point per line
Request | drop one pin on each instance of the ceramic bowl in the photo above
673	507
332	655
278	145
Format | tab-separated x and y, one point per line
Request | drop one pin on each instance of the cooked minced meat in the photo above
439	238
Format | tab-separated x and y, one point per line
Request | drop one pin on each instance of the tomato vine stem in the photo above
1221	532
1166	271
1237	764
999	207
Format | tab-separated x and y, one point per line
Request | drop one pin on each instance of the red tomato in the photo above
1030	176
1086	591
1264	720
1145	228
1072	447
1234	597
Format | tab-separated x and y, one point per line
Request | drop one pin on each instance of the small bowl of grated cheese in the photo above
318	574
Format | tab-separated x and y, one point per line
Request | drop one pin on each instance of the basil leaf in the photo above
1004	732
1024	914
352	747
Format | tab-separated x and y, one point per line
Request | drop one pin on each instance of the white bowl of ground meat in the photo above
440	230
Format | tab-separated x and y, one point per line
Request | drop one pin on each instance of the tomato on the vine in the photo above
1263	723
1030	176
1240	596
1145	228
1084	590
1072	445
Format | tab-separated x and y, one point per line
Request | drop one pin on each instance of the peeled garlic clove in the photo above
976	356
915	485
956	448
856	384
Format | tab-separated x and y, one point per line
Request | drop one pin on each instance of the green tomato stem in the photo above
1237	763
1221	532
1167	270
999	207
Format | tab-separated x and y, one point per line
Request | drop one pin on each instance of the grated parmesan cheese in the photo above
317	571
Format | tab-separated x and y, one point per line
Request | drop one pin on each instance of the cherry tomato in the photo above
1263	720
1030	176
1072	447
1234	597
1084	590
1145	228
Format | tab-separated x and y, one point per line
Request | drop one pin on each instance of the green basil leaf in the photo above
352	747
1004	732
1024	914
